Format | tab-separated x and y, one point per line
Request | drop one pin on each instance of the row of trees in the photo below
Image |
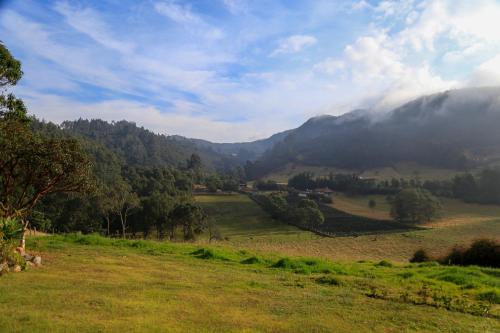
291	209
484	187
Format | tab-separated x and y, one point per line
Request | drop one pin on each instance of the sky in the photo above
241	70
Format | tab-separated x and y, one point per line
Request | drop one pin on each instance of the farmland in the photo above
145	286
237	214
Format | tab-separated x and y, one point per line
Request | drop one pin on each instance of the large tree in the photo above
31	165
10	73
414	205
191	217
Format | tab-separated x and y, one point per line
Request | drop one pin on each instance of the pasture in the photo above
94	284
248	227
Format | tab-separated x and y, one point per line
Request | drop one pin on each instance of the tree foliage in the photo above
414	206
33	166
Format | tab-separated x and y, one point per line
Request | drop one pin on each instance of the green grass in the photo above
454	212
93	284
250	228
238	216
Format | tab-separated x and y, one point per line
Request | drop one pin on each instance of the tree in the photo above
307	213
190	217
372	204
127	202
414	205
109	204
156	210
213	183
32	166
194	162
10	73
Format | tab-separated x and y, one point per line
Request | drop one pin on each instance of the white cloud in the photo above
236	7
330	66
58	109
360	5
184	15
88	22
294	44
486	74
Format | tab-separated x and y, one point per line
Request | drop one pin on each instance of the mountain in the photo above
455	129
137	146
243	151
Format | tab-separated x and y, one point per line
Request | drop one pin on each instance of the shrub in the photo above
420	256
384	263
208	254
10	228
252	260
9	256
482	252
329	280
491	296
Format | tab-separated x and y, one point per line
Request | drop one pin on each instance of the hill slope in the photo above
143	286
138	146
455	129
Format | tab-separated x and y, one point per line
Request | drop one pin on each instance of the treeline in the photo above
483	188
291	209
137	146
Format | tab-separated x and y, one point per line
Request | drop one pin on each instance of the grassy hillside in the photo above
238	217
248	227
143	286
454	212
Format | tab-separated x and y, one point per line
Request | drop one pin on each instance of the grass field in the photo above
93	284
243	222
454	212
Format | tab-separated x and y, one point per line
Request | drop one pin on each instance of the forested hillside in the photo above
455	129
138	146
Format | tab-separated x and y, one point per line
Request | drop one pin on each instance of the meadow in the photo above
95	284
246	226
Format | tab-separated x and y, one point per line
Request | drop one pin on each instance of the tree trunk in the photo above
107	221
22	242
123	220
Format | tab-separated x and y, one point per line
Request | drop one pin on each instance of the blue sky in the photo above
238	70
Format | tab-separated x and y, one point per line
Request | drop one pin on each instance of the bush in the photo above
420	256
10	228
9	256
482	252
252	260
491	296
384	263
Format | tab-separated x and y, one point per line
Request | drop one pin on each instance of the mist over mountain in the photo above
456	129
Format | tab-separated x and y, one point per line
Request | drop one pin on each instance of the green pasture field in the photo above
247	226
94	284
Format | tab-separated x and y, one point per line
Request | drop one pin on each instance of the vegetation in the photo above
300	212
482	252
414	206
458	140
186	282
